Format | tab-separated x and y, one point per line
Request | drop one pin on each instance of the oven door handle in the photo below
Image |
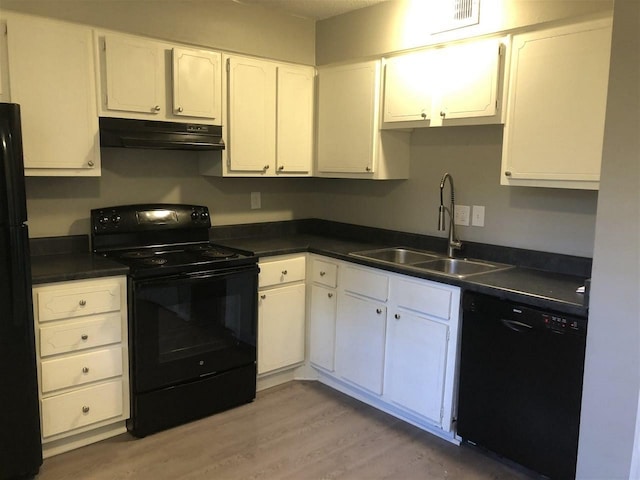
219	273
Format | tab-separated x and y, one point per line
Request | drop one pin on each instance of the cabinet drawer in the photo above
55	304
324	273
282	271
422	298
70	336
366	283
80	369
81	407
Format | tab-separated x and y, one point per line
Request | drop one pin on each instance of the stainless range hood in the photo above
132	133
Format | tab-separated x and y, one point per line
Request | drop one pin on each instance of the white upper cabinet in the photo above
556	107
51	75
294	130
453	85
408	87
196	80
134	75
251	115
267	118
350	143
146	79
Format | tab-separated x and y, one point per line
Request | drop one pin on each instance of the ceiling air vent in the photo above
452	14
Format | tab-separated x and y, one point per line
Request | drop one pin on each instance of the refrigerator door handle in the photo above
20	274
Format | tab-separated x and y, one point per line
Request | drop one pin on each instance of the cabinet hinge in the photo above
228	161
6	29
441	414
500	50
448	335
228	67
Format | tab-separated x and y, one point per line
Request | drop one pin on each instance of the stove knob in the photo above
103	220
195	216
115	218
204	215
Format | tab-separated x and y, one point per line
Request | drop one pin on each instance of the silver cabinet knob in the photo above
90	163
85	409
265	168
330	295
507	173
368	169
281	168
423	115
156	108
397	316
443	114
263	296
284	272
85	370
378	311
84	336
322	274
180	109
82	303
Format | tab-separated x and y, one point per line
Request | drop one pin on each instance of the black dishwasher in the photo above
521	383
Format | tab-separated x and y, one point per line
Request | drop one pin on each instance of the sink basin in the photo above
460	267
397	255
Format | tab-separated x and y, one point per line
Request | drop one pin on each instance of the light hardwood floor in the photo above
298	431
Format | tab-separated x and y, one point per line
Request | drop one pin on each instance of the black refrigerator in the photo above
20	446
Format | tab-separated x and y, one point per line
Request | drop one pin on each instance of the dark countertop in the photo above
537	288
72	266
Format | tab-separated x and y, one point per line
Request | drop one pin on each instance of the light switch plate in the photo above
462	214
477	217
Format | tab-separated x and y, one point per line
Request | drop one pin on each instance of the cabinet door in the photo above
408	87
416	364
322	328
360	339
556	110
251	105
197	88
135	75
468	76
348	110
281	324
295	119
52	78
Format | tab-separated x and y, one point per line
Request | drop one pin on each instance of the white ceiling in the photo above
315	9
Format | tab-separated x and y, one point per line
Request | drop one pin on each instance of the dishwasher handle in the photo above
515	325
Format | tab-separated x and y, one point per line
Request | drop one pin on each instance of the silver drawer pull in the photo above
85	370
284	272
84	336
397	316
82	303
330	295
378	311
263	296
322	274
85	409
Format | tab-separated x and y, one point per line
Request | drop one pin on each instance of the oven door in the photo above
191	326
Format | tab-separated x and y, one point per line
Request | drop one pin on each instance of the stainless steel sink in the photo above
460	267
431	262
397	255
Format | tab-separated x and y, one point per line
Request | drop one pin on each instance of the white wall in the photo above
612	366
222	24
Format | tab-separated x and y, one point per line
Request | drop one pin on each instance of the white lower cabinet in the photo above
82	358
281	313
416	364
395	345
360	337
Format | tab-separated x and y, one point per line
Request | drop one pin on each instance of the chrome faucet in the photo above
454	243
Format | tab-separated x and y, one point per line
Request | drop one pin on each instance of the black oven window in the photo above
193	318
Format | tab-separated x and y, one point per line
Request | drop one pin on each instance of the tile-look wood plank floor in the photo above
298	431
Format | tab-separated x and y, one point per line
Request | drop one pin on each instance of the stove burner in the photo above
214	253
154	261
137	254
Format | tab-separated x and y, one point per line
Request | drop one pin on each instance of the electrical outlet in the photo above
477	218
462	214
255	200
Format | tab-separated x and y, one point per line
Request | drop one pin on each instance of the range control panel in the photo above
152	217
